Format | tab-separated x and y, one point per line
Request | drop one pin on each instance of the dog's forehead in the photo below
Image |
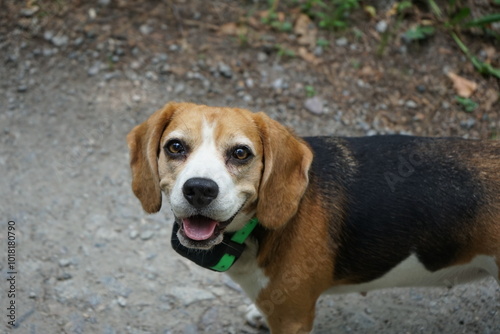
224	124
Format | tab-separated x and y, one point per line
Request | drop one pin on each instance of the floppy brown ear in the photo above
144	145
285	177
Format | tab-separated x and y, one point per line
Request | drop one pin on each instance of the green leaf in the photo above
435	8
483	21
460	16
482	67
419	33
322	42
404	5
466	103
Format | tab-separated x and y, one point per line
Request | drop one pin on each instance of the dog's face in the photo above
210	164
218	167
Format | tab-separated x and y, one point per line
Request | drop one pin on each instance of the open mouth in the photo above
201	228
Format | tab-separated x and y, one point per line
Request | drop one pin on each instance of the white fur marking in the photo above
247	273
254	317
411	272
206	161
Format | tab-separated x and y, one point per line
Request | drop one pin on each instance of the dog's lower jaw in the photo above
201	245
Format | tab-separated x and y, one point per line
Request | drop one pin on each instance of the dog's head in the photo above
218	167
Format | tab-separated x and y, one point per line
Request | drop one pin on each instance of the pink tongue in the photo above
199	228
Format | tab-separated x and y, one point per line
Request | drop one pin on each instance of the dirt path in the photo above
89	261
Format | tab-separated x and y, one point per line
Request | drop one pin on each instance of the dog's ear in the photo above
285	177
144	145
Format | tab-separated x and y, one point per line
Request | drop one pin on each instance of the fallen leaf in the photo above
370	10
228	29
464	87
491	97
368	72
444	51
305	30
232	29
308	56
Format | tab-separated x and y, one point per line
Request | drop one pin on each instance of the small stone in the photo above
174	47
146	235
121	301
48	35
421	88
247	98
419	116
278	83
78	41
381	26
145	29
342	41
64	277
104	2
133	234
64	262
411	104
22	88
225	70
92	13
318	51
59	41
47	52
119	51
188	295
261	57
314	105
468	124
249	83
29	12
136	98
94	69
135	65
151	76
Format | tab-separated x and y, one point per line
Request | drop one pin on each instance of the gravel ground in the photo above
89	261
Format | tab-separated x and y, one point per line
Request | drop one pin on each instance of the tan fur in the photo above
286	165
143	142
298	274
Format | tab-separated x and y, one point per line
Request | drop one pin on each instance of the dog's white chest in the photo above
411	272
247	273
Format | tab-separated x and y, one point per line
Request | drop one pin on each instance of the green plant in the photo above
322	42
466	103
331	15
419	33
310	91
273	20
482	67
401	8
458	20
284	51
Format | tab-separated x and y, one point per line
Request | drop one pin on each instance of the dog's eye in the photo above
175	147
241	153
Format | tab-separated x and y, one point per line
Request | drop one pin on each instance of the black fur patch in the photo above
402	195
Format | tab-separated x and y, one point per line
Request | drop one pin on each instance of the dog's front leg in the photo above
290	317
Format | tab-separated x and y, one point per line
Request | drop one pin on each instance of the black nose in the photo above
200	192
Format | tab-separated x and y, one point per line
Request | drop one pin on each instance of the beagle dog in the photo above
292	218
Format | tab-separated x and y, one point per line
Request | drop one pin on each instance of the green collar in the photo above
222	256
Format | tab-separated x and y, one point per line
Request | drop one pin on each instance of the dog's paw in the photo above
254	318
